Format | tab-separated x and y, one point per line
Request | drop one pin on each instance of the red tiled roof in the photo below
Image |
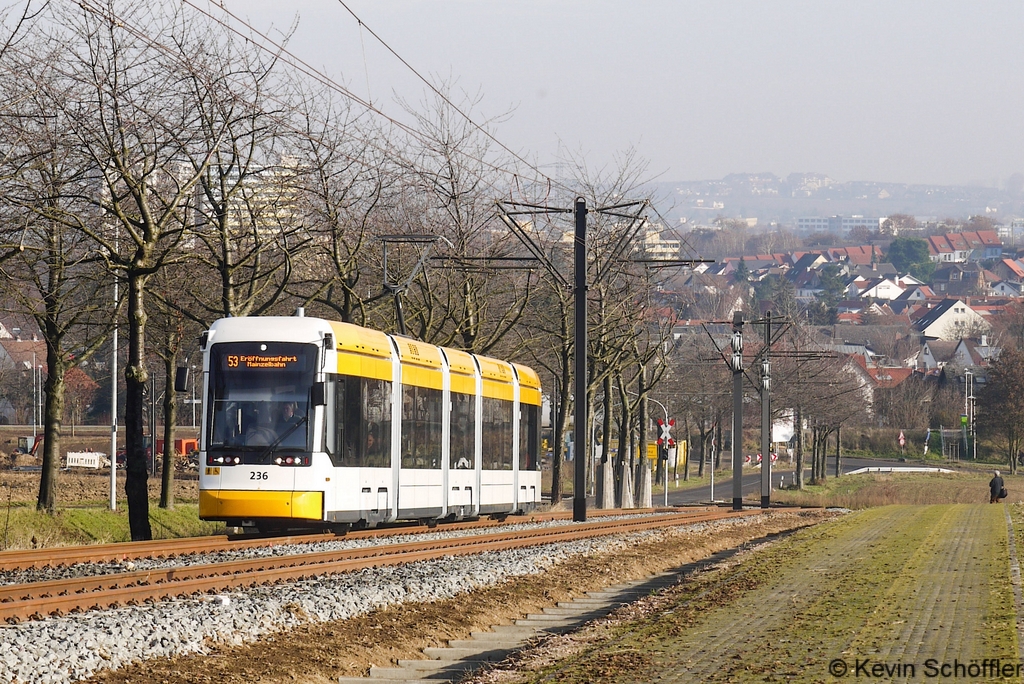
1014	266
889	377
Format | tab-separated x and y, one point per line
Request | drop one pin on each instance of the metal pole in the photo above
666	471
579	501
766	416
113	401
737	412
711	467
33	396
113	420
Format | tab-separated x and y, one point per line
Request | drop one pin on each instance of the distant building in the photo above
837	225
950	319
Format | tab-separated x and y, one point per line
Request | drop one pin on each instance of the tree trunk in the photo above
702	449
170	421
644	498
54	389
624	490
839	451
814	455
136	376
561	418
799	434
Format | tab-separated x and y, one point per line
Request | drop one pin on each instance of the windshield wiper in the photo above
277	442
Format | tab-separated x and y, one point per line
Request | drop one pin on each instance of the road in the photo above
752	481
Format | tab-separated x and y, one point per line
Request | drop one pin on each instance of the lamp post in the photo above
972	446
33	396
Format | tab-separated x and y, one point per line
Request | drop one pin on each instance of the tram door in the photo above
462	484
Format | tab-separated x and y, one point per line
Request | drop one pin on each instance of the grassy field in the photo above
884	489
893	585
26	528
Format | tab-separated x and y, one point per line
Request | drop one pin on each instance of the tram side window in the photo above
463	453
421	427
376	412
529	436
346	421
497	434
362	422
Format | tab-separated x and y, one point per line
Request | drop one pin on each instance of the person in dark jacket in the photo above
995	487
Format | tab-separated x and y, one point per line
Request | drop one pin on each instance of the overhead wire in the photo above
305	68
440	94
288	58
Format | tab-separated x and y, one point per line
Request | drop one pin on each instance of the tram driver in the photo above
261	432
286	417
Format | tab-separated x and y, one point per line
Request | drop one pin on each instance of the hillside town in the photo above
908	307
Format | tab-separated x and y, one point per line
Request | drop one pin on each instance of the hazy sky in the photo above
922	91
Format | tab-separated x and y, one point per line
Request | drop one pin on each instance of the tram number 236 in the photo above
259	475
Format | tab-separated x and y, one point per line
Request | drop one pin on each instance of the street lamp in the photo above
971	446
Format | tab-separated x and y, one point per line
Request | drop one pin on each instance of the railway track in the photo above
170	548
35	600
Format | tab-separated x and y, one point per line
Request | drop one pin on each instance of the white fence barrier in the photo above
85	459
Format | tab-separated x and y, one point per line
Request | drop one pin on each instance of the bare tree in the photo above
1001	405
53	270
248	227
137	122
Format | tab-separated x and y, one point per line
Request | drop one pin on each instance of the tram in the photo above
316	423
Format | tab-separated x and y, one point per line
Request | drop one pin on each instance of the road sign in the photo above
666	432
902	440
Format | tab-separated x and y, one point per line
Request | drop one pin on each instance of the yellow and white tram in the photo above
312	422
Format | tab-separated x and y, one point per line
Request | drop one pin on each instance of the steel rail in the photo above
38	599
20	559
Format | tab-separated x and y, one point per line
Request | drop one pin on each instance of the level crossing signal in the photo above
666	432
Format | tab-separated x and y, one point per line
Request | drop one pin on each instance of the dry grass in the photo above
885	489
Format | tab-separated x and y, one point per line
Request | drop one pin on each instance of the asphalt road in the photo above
752	480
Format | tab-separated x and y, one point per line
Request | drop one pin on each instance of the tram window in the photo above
421	427
346	421
497	434
376	422
529	436
362	422
463	440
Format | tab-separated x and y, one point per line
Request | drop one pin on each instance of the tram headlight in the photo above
292	460
222	460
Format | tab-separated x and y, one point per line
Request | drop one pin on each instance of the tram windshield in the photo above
260	395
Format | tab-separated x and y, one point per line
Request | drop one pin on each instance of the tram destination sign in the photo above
260	361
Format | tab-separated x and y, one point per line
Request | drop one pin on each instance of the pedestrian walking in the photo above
996	488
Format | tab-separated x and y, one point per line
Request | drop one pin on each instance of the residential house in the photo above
971	354
1006	288
950	319
935	354
875	288
1009	269
961	247
960	280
